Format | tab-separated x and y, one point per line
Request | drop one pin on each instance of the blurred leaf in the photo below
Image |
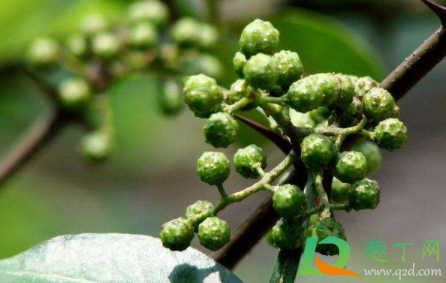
114	258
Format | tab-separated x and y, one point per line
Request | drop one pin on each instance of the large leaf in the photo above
111	258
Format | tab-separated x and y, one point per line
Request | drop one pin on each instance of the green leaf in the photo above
111	258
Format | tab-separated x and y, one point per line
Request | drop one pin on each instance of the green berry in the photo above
353	113
351	167
202	95
314	219
287	234
93	25
214	233
142	36
339	191
213	168
106	45
221	130
186	33
177	234
259	37
171	98
346	91
239	62
364	195
289	67
74	93
289	201
327	227
96	147
363	85
154	12
43	52
318	151
330	88
199	63
261	72
390	134
77	45
378	105
247	161
199	207
372	154
208	36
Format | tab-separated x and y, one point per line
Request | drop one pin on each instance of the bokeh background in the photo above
151	176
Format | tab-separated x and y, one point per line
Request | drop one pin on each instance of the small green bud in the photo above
171	98
177	234
199	207
106	45
327	227
93	25
208	36
289	67
339	191
346	91
330	88
289	201
74	93
364	195
96	147
353	114
214	233
221	130
248	159
186	33
287	234
259	37
142	36
378	105
372	154
202	95
318	151
77	45
43	52
261	72
213	168
351	167
153	11
390	134
239	62
363	85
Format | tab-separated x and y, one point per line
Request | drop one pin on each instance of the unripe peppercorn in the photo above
77	45
390	134
318	151
287	234
339	191
289	68
74	93
177	234
378	105
208	36
261	72
199	207
202	94
171	98
363	85
213	168
327	227
372	154
96	147
214	233
239	62
221	130
105	45
353	113
142	36
346	91
289	201
364	195
94	24
351	167
330	88
247	161
153	11
186	33
43	52
259	37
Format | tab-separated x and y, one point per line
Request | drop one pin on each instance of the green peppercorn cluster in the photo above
85	64
316	113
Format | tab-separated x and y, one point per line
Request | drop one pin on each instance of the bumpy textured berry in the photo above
239	62
353	113
363	85
327	227
330	88
105	45
214	233
346	91
177	234
202	95
200	63
390	134
96	147
364	195
153	11
259	37
221	130
77	45
248	159
289	68
372	154
261	72
74	93
198	208
94	24
171	98
289	201
351	167
213	168
186	32
318	151
143	35
339	191
378	105
287	234
44	51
